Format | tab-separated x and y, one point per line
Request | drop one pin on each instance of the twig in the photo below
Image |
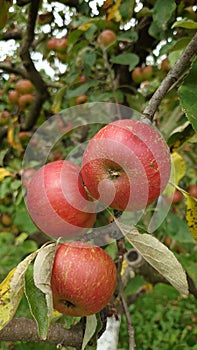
23	329
41	87
11	68
121	252
172	76
128	316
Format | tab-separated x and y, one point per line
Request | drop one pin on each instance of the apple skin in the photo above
106	38
57	201
83	279
13	96
25	100
24	86
192	189
129	159
140	74
61	45
51	44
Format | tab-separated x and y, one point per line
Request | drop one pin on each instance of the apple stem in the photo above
114	174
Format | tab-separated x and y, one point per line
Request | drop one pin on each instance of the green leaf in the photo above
58	99
162	12
185	23
42	272
37	304
126	9
17	283
81	89
130	59
160	257
187	93
129	36
23	220
91	324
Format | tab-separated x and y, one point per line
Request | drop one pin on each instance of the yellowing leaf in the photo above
113	12
85	27
179	167
159	256
8	305
11	139
4	173
17	283
191	211
191	214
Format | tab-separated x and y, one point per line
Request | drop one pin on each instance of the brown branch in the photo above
33	74
11	68
172	76
23	329
127	315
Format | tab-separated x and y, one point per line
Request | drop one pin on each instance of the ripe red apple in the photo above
13	96
106	38
61	45
81	99
126	165
147	72
140	74
192	189
136	75
24	86
51	44
177	197
25	100
57	201
83	279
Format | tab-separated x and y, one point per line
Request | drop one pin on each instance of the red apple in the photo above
147	72
57	201
13	96
51	44
24	86
106	38
83	279
126	165
177	197
81	99
192	189
140	74
61	44
25	100
136	75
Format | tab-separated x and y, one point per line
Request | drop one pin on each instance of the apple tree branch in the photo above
172	76
23	329
42	93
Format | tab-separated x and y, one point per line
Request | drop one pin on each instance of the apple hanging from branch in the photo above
126	165
83	279
57	201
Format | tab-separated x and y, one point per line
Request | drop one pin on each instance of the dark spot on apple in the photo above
67	303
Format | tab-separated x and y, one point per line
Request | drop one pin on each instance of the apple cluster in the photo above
125	166
22	95
59	45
